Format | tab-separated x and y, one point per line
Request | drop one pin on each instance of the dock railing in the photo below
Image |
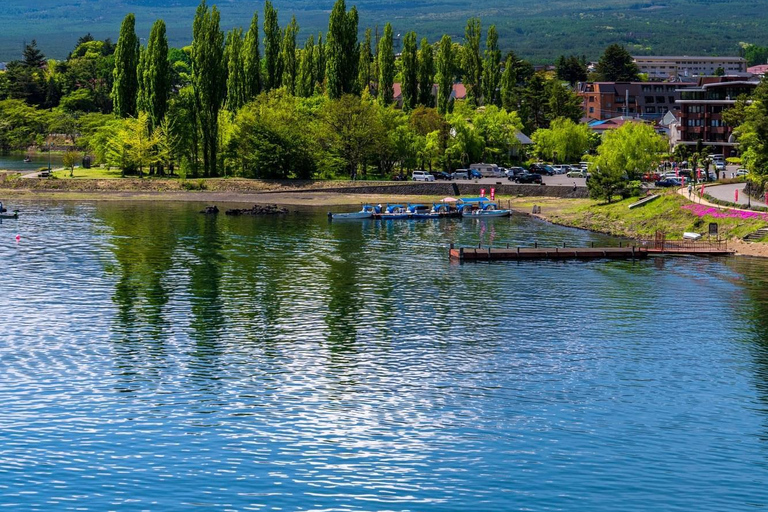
690	246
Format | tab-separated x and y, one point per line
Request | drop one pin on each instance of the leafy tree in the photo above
208	80
155	76
492	68
508	88
571	70
473	64
134	144
272	36
720	71
563	141
236	78
252	60
126	83
70	159
386	66
426	74
290	66
752	133
79	100
535	104
445	69
498	130
350	132
364	67
625	154
754	54
616	65
465	144
563	102
305	85
410	72
341	51
425	120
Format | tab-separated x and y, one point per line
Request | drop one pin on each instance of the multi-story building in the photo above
646	100
701	111
662	68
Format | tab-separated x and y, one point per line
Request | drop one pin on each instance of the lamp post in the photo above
49	156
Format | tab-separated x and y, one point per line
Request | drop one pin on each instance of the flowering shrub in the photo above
701	210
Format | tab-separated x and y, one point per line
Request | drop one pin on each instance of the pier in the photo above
637	250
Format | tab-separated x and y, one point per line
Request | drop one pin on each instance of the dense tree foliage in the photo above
616	65
426	74
751	121
409	60
341	56
492	69
445	71
386	66
563	141
472	62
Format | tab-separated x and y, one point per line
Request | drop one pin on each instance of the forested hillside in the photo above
538	31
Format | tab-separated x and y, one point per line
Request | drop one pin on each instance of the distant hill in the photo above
537	30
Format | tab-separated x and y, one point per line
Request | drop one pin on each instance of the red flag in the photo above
736	196
682	178
482	192
493	193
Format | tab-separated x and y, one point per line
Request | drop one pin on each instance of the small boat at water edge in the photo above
393	212
366	213
14	215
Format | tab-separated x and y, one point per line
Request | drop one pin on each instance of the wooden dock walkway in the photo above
639	250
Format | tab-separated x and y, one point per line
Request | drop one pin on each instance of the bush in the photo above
198	185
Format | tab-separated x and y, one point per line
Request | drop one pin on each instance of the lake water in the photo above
15	162
158	359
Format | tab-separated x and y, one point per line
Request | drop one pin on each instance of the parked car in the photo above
475	174
441	175
719	165
511	172
422	176
741	172
669	182
541	169
575	174
460	174
527	177
651	176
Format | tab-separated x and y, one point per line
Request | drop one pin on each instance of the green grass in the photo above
664	214
94	173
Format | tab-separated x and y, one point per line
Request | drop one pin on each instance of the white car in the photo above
741	172
460	174
422	176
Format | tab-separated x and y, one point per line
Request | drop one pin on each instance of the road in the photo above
725	193
559	180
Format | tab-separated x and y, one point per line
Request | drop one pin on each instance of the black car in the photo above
540	169
669	182
527	177
440	175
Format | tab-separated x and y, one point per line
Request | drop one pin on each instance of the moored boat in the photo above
393	212
366	212
14	215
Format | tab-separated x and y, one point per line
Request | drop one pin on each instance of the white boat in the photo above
365	213
691	236
489	213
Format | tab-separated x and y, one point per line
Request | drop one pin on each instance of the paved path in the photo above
725	193
700	200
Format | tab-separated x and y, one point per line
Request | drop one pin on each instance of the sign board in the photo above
493	193
713	229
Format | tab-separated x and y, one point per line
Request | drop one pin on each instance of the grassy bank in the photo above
664	214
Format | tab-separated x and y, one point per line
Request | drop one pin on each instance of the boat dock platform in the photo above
630	251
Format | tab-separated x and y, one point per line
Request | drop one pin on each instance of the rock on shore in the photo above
270	209
210	210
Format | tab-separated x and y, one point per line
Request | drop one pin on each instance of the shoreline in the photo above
552	206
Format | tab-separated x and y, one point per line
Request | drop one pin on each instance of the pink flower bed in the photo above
701	210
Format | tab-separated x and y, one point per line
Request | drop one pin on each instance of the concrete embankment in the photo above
288	186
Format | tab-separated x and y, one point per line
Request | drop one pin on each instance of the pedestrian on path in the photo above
690	190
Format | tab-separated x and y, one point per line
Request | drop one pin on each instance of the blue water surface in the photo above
158	359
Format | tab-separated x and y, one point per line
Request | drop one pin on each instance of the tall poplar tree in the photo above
252	60
288	52
473	64
319	63
126	83
342	51
272	40
386	66
508	87
364	68
236	80
155	76
410	71
492	68
426	73
208	79
445	69
305	82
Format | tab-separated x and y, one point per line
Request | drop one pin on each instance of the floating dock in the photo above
627	252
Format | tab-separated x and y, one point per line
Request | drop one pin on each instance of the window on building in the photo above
649	99
591	110
591	99
650	110
659	99
671	99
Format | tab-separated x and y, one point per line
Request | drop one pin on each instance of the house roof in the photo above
758	70
523	138
459	92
